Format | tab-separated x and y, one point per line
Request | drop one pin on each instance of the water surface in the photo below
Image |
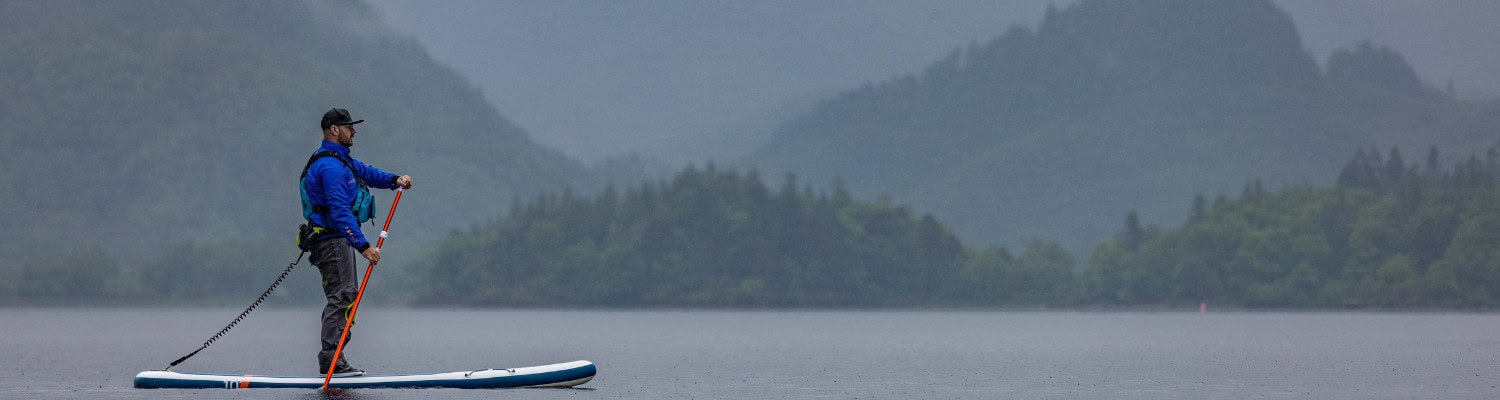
67	354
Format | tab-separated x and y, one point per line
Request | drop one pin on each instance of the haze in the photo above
599	79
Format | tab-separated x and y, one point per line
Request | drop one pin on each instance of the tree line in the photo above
710	237
1388	234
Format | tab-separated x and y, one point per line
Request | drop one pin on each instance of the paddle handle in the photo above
354	308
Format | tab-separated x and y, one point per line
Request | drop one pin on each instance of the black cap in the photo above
338	116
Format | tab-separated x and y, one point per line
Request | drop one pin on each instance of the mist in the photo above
1444	40
581	164
980	127
599	79
596	79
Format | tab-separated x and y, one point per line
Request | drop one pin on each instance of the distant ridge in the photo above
1112	106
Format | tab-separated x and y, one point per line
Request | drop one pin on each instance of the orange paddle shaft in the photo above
353	309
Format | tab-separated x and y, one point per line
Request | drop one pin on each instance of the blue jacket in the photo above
329	183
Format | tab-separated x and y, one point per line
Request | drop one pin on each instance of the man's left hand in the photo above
404	181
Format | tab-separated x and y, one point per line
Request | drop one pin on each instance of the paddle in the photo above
354	308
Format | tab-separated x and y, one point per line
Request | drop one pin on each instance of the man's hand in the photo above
372	254
404	181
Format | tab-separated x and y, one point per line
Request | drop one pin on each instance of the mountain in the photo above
1110	107
132	125
735	140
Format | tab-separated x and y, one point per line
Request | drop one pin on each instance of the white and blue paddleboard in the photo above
566	374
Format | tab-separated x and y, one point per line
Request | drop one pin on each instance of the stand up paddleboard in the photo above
567	374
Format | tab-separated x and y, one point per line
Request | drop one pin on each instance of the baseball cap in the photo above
338	116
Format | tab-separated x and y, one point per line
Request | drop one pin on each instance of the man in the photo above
334	186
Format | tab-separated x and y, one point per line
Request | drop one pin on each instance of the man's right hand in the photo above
372	254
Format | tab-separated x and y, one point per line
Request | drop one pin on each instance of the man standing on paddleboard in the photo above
335	201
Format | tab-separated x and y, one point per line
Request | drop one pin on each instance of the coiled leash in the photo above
237	320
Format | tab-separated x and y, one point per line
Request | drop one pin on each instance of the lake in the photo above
95	353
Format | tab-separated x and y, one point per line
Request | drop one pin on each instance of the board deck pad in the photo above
566	374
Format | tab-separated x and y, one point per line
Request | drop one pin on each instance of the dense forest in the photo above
721	238
1390	234
1112	106
154	147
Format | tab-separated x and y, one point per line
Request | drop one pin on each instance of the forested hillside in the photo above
132	126
712	238
1112	106
1390	234
151	148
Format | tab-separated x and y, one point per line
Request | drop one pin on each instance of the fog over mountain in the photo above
1442	39
595	79
128	126
151	146
1110	107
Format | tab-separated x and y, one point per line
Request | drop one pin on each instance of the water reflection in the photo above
373	394
337	394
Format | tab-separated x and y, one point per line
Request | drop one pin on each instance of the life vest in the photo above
363	206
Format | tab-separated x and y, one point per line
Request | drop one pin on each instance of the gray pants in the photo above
335	261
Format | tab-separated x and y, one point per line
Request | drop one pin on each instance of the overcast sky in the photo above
599	78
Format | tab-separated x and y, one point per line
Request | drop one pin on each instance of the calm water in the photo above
67	354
